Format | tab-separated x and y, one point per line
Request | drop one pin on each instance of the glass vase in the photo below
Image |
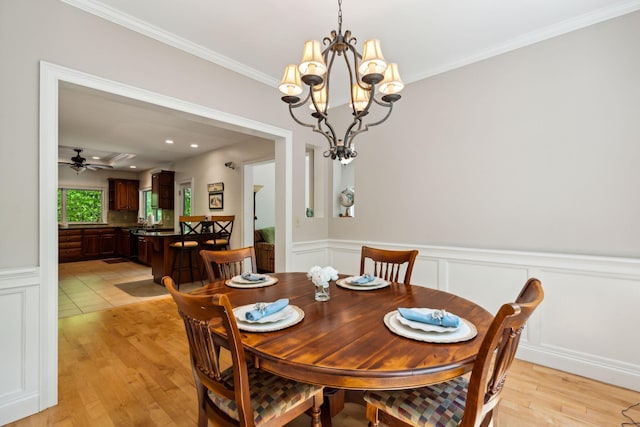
322	293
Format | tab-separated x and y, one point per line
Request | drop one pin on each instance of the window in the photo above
148	210
185	194
186	201
76	205
308	180
146	204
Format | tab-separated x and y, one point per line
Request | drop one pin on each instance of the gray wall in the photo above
536	149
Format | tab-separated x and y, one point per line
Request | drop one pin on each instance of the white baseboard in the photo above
13	410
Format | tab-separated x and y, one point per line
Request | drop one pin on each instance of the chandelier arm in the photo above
330	135
356	63
349	134
326	135
301	103
365	127
350	42
351	78
365	86
301	123
384	118
383	103
372	97
315	105
333	138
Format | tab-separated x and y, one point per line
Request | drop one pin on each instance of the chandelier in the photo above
368	73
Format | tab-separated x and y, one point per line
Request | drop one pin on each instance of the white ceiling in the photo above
124	132
258	38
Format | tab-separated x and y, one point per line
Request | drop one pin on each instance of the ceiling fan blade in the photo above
94	166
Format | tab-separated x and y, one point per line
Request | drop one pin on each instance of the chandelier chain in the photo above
339	14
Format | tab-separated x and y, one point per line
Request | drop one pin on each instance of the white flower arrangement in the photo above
321	276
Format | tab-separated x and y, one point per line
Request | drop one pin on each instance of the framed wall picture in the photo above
216	187
216	200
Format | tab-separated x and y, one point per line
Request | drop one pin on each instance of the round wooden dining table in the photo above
344	343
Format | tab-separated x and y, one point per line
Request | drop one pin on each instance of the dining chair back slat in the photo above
224	265
239	395
387	264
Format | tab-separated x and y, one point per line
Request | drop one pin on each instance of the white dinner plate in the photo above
426	327
239	282
241	314
378	283
465	332
293	316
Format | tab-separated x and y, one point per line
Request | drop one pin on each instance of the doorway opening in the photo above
50	77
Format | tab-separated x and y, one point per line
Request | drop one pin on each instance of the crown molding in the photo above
116	16
559	29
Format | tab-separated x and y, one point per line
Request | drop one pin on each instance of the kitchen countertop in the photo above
154	232
135	229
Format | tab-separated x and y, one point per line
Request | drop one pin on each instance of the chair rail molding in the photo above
580	291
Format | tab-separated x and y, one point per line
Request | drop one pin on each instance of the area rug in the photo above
115	260
148	288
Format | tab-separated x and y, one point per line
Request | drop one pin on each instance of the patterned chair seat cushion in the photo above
438	405
271	395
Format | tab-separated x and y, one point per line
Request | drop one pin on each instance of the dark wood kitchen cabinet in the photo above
124	194
144	253
162	189
69	245
97	243
124	243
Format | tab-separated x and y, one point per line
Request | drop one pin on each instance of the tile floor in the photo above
88	286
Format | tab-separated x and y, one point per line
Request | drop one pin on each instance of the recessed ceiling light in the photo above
96	157
169	141
132	166
194	145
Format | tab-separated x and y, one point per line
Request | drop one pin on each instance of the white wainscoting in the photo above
588	323
19	348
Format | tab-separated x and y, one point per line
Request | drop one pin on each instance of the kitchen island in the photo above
161	254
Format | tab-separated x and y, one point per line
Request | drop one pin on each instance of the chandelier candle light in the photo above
367	71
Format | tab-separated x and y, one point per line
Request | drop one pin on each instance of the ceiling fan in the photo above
79	163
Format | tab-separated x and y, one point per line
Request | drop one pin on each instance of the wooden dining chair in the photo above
223	265
242	394
387	264
462	402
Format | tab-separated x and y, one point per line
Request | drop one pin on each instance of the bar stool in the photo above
222	226
191	228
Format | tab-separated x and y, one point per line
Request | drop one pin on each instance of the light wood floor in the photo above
128	366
